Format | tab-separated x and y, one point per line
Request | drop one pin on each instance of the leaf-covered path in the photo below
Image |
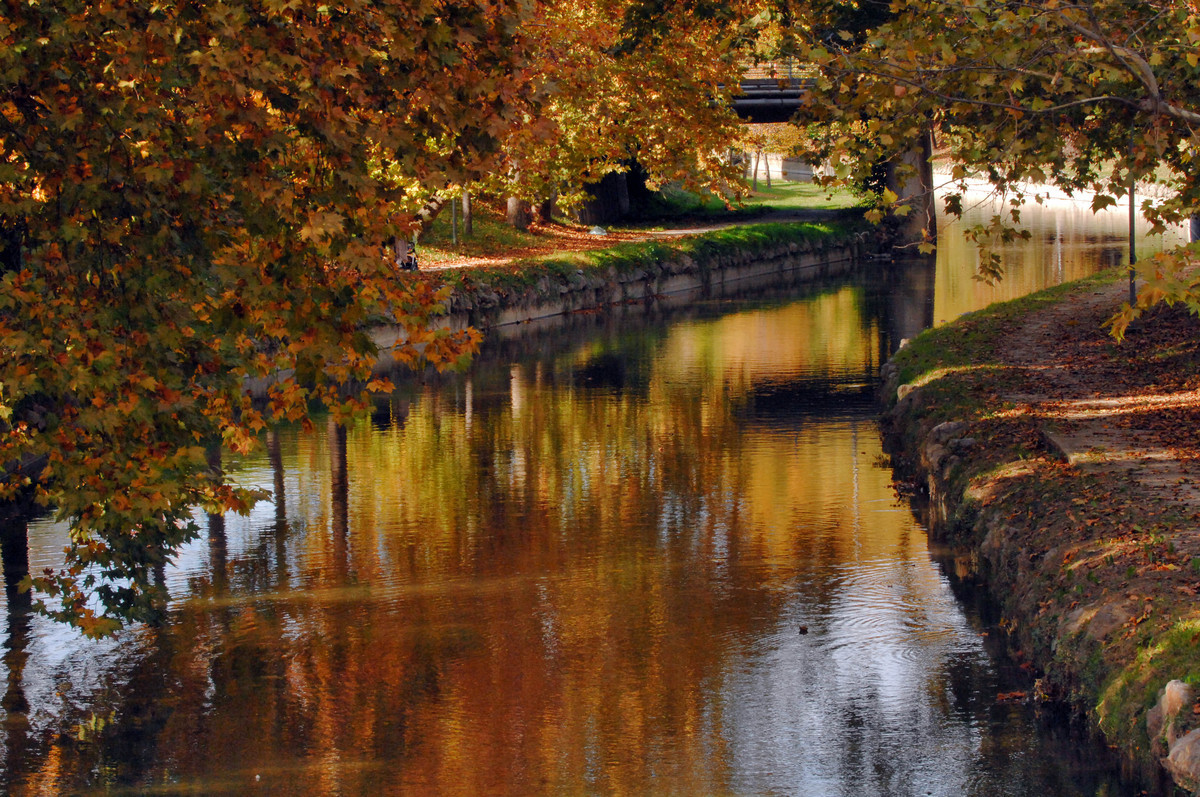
555	237
1130	408
1067	466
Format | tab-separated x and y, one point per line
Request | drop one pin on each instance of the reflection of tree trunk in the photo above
275	455
339	494
469	402
218	552
909	295
14	550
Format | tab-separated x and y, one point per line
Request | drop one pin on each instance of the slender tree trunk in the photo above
466	209
757	157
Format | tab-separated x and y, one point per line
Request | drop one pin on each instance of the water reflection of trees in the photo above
1068	242
523	581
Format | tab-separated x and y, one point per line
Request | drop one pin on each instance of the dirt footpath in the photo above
1129	409
557	237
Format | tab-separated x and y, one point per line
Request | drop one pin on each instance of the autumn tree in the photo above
779	138
627	81
195	200
1086	96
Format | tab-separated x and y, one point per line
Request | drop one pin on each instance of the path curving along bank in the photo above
1064	469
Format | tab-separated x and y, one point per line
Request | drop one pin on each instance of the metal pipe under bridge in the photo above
771	91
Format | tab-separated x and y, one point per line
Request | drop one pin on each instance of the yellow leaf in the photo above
322	223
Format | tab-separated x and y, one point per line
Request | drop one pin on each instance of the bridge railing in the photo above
786	70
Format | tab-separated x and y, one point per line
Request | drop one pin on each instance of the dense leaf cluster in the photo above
195	198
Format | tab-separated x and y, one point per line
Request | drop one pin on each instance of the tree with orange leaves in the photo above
197	196
1095	96
631	81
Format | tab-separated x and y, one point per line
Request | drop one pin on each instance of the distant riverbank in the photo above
703	264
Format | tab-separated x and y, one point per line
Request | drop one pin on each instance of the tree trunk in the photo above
910	177
430	211
757	157
546	210
519	215
609	200
467	219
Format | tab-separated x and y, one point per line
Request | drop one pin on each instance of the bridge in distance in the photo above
771	92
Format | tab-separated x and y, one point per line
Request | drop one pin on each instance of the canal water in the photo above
656	556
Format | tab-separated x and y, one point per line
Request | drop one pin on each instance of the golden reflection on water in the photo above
1067	242
586	573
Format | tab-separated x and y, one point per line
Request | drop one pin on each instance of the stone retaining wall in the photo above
493	308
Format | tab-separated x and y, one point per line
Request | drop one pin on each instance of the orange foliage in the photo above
193	196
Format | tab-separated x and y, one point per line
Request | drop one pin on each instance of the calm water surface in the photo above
666	558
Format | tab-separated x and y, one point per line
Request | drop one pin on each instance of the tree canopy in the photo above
1085	96
194	196
200	199
628	81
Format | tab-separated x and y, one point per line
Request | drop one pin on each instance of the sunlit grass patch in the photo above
1174	653
630	256
803	195
491	234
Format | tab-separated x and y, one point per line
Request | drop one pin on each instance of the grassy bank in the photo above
673	207
1096	568
625	258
